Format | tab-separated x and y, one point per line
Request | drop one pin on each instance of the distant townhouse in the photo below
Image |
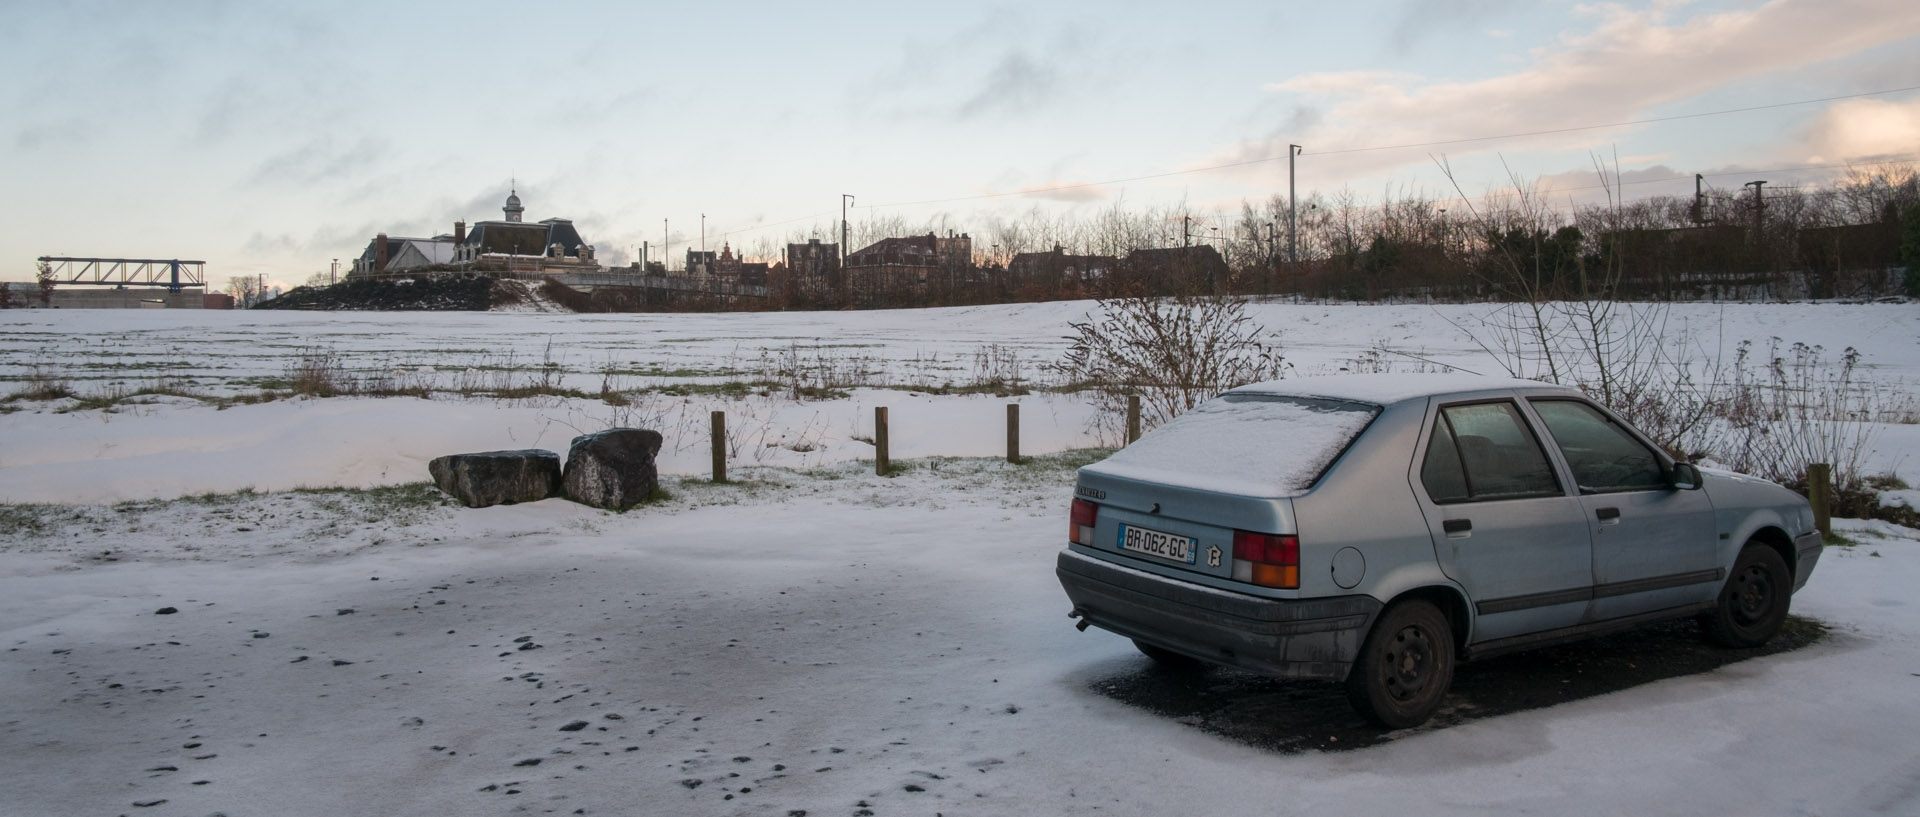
1056	269
811	272
1168	269
913	265
508	246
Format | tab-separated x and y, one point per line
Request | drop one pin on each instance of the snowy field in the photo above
812	640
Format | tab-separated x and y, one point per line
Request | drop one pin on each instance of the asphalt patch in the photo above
1290	717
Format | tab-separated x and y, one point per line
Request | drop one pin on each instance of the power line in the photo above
1896	159
1375	148
1438	143
1577	128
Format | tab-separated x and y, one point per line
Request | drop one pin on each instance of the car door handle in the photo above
1457	525
1607	514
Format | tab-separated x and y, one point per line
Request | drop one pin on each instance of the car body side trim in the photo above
1547	599
1659	582
1527	641
1512	603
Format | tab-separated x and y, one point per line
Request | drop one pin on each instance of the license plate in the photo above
1156	544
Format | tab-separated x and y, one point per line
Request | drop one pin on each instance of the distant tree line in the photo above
1858	237
1849	239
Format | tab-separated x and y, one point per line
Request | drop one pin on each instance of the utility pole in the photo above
1699	201
845	199
1293	216
666	246
1186	231
1759	207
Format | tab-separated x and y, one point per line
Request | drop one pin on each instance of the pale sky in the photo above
273	137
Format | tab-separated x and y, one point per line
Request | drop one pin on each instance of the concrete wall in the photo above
130	298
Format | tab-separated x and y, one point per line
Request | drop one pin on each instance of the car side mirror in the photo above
1685	476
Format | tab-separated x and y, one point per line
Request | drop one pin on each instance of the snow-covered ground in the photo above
813	639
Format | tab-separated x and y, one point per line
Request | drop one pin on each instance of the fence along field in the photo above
1768	406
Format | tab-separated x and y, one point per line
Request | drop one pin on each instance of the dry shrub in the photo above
1793	410
1173	352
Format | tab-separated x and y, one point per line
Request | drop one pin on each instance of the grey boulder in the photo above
613	469
498	477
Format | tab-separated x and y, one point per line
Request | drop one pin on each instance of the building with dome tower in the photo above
509	247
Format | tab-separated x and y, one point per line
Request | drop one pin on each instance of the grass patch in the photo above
23	519
39	388
949	389
538	390
659	371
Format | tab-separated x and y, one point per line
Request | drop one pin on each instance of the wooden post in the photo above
880	441
1820	495
1133	417
1013	433
719	446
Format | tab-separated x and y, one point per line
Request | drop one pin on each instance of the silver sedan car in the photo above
1376	529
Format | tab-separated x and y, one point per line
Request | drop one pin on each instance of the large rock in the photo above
498	477
613	469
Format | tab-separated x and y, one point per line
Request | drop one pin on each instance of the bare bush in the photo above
1629	357
998	369
318	373
1793	410
1173	352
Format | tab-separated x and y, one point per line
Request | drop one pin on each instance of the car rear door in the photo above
1653	545
1503	525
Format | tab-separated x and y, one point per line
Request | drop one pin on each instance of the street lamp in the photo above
845	199
1293	219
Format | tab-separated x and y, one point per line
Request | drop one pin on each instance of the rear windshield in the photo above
1247	444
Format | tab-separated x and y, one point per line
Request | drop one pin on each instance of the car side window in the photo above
1446	481
1483	451
1604	457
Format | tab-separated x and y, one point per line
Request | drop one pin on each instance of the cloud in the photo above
1017	84
1421	19
59	132
1589	184
321	160
263	244
1626	65
1067	192
1864	130
945	77
225	109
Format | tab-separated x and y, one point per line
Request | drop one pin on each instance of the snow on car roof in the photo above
1244	444
1385	389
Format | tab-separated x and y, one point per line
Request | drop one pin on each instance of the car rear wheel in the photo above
1165	657
1753	605
1405	666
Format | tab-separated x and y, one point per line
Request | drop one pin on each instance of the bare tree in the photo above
244	288
43	275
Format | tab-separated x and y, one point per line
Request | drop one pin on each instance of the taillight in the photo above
1080	530
1266	559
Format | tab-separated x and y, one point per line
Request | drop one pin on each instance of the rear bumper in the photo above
1808	546
1285	638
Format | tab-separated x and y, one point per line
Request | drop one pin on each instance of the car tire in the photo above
1405	666
1753	604
1165	657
